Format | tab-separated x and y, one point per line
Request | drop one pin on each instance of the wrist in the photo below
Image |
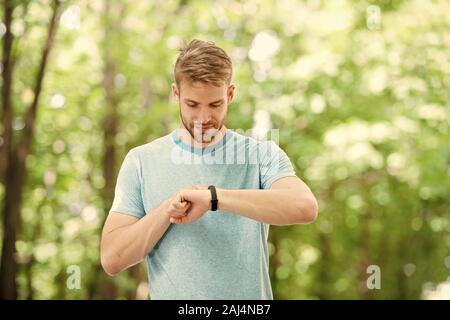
213	202
220	197
165	210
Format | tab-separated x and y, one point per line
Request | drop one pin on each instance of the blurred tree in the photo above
358	89
14	156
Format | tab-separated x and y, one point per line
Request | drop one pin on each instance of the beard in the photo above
203	137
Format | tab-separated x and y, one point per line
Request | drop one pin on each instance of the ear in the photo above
230	92
175	92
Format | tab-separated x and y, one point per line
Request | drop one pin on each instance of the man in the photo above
203	242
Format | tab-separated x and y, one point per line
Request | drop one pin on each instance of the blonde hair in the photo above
203	61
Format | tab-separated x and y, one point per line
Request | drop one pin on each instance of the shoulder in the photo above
252	143
258	151
248	141
150	148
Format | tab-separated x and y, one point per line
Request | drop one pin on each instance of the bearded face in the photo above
203	108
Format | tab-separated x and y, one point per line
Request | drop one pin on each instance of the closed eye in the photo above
215	105
193	104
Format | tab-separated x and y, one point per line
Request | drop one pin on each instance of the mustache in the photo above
209	124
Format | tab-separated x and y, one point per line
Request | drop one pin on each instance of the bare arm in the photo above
126	240
289	201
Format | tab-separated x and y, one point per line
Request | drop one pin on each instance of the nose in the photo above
204	116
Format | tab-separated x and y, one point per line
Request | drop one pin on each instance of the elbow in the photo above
307	211
313	210
110	266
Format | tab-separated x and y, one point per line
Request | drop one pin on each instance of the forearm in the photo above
275	206
128	245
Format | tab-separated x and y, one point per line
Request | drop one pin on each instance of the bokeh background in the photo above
359	91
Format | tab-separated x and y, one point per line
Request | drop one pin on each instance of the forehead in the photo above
201	91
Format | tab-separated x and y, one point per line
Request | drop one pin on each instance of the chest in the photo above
159	182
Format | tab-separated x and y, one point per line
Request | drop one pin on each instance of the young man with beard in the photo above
197	203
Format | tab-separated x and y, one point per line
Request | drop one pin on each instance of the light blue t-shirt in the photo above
222	255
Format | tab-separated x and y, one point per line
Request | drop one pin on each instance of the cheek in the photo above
187	112
222	112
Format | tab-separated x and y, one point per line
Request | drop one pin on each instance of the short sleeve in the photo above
274	164
127	195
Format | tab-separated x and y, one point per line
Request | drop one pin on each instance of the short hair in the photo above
203	61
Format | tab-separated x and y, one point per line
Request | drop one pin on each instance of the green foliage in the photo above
363	114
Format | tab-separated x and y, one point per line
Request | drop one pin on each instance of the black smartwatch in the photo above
214	200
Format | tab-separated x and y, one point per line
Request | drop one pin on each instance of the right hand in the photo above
176	206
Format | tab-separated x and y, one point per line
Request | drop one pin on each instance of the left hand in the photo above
200	199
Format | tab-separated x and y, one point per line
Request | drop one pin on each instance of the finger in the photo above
184	219
176	215
181	207
187	207
173	209
185	204
175	212
176	220
177	205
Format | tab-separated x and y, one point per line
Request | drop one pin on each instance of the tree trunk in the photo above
323	291
7	75
11	216
16	174
104	285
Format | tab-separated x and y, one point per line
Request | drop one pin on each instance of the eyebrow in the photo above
193	101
